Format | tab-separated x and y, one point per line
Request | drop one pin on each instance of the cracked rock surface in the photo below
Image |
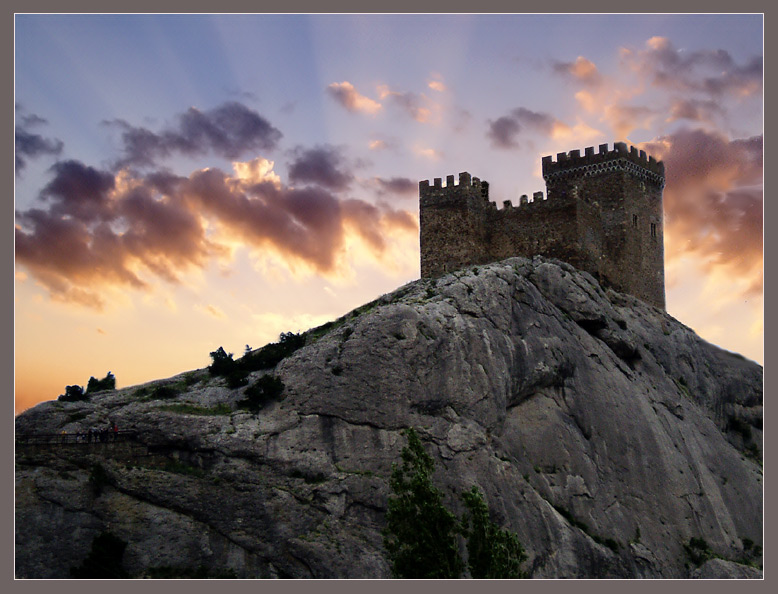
602	431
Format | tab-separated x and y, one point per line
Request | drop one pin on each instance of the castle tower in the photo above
602	214
618	198
452	224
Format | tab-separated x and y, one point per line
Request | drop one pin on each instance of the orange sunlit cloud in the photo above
428	152
713	203
211	310
345	94
581	70
579	133
623	119
140	230
714	73
436	83
418	106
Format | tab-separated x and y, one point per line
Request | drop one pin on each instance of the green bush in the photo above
422	536
741	427
698	551
73	394
164	392
263	391
96	385
222	362
272	354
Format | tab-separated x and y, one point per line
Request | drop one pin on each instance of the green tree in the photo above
73	393
422	537
96	385
492	553
222	362
420	533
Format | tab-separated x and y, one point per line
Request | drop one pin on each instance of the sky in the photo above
185	182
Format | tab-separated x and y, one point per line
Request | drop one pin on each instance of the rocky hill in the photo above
607	435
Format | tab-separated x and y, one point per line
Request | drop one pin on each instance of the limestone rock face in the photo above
603	432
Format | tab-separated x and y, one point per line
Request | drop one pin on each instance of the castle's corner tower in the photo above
452	224
620	221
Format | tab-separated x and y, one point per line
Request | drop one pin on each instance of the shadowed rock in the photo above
606	434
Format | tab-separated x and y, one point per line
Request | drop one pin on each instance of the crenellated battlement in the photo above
592	216
621	158
467	185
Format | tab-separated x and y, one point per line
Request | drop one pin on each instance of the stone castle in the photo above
602	213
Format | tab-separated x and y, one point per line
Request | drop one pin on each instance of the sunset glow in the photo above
189	182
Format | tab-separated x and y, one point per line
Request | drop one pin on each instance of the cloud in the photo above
460	119
29	145
397	185
229	130
623	119
436	82
417	106
378	145
713	72
347	96
505	130
694	110
713	201
322	165
581	71
212	311
79	191
125	230
428	152
256	171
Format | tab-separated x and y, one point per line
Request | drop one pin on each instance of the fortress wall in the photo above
602	214
542	227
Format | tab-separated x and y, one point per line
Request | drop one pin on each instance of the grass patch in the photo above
698	551
683	388
193	409
164	392
77	415
178	467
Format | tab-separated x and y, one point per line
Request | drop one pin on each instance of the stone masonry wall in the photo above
602	213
